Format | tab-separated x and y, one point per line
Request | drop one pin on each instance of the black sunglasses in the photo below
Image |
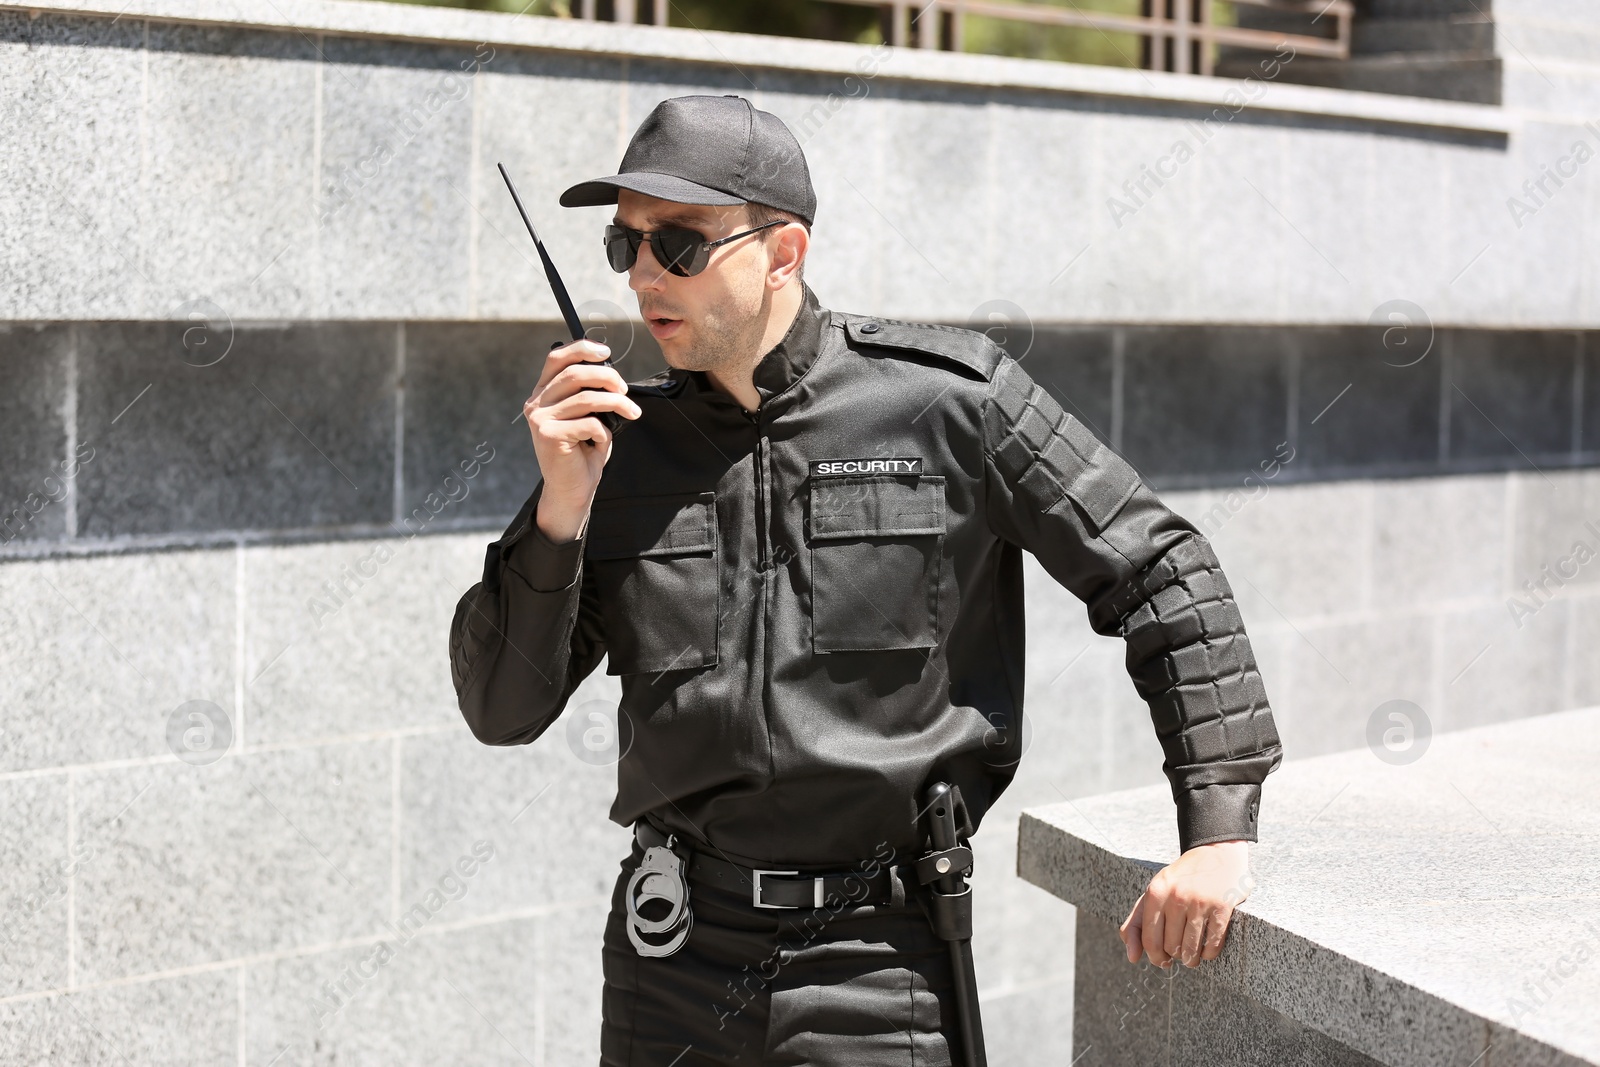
682	251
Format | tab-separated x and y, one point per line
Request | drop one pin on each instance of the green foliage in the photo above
1002	37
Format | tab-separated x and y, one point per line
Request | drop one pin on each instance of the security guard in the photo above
800	551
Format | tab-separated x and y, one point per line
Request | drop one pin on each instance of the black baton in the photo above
945	868
609	419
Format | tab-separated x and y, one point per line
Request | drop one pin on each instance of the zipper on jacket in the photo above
761	493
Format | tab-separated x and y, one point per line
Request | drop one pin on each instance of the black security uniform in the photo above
816	610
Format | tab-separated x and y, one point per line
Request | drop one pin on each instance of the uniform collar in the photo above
788	360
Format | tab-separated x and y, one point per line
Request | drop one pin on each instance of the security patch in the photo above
910	465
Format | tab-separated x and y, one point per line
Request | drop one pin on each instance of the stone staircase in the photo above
1443	49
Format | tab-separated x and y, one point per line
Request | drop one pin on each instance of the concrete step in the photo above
1375	35
1422	9
1470	79
1455	33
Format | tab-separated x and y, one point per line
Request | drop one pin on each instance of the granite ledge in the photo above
363	18
1435	912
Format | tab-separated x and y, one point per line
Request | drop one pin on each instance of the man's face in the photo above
713	319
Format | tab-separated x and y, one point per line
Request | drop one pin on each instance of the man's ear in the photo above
789	249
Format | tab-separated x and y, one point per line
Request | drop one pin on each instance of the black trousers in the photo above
846	985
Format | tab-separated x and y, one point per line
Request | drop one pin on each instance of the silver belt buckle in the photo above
755	890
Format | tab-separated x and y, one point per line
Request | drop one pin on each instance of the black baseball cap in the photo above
709	150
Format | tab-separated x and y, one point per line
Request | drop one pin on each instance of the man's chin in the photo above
678	355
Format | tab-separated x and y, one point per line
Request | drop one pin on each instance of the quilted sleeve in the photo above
1148	576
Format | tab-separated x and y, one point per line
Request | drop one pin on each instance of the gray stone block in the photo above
571	983
1232	154
1548	253
1437	539
38	863
1363	405
542	114
465	387
1063	701
256	853
1320	214
1467	79
544	809
1029	1026
1214	1026
35	482
73	110
1551	88
1420	35
1120	1011
1585	623
1249	523
1203	401
100	652
177	1021
1142	252
1355	927
1408	222
1481	245
1022	936
1510	395
437	996
1511	1048
1048	262
1135	752
289	427
934	239
1430	9
1493	670
229	122
1589	399
393	201
840	124
1355	1005
1556	540
1340	674
345	638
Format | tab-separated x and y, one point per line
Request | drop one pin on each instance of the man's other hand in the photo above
1184	912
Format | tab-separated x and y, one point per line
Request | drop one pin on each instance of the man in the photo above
801	552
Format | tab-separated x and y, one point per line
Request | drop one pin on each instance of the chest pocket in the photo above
654	561
876	544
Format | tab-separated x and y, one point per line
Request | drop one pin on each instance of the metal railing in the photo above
622	12
1179	35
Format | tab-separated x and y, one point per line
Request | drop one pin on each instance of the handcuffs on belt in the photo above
660	877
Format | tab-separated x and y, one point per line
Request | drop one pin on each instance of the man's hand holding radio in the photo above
571	444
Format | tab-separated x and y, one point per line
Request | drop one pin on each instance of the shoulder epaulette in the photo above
664	384
968	349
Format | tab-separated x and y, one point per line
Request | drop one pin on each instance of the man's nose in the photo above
646	272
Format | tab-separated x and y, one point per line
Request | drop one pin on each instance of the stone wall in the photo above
239	353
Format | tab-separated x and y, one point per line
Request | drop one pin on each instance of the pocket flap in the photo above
1094	477
883	505
676	525
1102	489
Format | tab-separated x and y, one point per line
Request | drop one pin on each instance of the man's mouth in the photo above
662	326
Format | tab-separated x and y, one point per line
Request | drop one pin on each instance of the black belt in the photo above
872	883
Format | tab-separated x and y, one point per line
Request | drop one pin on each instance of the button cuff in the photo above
545	566
1222	812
